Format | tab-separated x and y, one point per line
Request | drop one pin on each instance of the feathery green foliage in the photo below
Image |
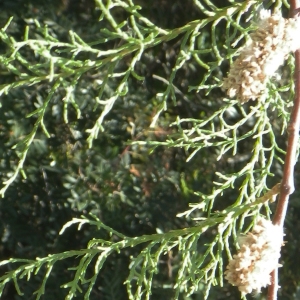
237	145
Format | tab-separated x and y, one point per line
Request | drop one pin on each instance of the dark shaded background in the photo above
127	188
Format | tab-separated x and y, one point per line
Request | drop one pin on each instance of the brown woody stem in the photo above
287	184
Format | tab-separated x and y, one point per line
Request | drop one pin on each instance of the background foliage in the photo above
120	113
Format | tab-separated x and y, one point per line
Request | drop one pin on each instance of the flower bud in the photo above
258	256
262	55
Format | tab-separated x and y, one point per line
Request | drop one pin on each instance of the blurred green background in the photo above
134	189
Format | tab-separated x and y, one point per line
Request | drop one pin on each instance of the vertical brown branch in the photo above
287	184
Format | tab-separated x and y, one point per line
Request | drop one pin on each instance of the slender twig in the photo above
287	184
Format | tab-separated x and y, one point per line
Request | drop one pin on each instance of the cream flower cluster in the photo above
264	53
258	256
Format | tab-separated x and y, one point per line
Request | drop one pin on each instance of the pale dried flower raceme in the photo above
258	256
262	55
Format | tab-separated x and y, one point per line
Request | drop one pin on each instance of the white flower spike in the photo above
260	58
258	256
